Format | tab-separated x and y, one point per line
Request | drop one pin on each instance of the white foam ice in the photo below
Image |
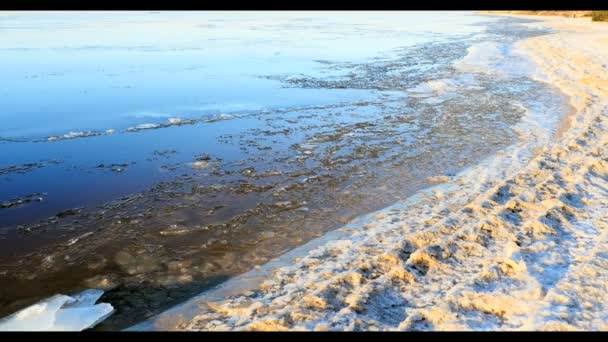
199	165
60	313
143	127
495	59
72	135
439	90
175	121
480	58
430	87
221	117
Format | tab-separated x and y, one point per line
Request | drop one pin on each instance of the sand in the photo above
519	242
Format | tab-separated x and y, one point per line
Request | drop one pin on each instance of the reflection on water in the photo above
169	155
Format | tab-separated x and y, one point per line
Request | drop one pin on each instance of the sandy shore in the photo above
519	242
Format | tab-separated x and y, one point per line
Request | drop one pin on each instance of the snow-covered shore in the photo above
517	242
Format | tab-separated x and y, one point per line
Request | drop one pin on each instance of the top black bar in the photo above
304	5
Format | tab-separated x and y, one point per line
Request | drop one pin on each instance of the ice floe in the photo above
60	313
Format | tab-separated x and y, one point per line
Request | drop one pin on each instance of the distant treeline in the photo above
595	15
599	15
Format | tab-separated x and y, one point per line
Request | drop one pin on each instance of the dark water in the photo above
156	215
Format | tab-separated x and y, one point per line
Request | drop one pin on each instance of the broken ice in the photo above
60	313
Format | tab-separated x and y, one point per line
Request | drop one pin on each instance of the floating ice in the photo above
175	121
199	165
445	86
221	117
60	313
179	122
73	135
429	87
142	127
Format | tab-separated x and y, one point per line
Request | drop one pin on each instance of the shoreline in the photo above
520	250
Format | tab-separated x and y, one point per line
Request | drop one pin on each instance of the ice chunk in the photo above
39	316
199	165
74	135
60	312
142	127
80	318
175	121
178	121
85	298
